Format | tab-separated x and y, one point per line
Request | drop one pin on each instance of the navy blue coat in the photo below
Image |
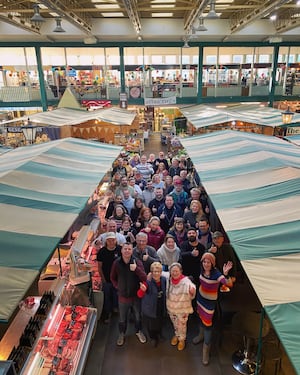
149	301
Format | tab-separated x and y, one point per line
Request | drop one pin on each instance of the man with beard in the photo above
190	256
155	203
204	233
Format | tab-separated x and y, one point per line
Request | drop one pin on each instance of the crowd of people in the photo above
158	255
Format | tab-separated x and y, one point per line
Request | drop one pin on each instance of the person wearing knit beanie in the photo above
210	257
210	280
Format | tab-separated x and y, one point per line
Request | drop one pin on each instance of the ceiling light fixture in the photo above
37	18
186	44
201	26
58	28
90	40
212	13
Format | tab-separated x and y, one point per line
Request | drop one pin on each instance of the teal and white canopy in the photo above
201	116
253	182
43	188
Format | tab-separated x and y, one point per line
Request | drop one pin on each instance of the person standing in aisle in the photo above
145	253
180	293
145	168
190	256
154	232
210	280
126	274
169	252
105	258
153	294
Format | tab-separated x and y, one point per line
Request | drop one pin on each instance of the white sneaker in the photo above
121	339
141	337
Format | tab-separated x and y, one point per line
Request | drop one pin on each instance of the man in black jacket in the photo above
126	274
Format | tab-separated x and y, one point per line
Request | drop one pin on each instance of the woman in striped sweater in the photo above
210	280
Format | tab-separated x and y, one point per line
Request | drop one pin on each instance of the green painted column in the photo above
122	69
41	79
200	71
275	62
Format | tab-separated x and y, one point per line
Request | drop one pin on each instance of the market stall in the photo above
101	124
253	182
49	184
250	118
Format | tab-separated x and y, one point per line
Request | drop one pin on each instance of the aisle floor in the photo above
106	358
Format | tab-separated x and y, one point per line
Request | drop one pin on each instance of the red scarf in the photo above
176	281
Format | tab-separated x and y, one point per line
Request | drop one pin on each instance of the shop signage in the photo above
96	103
293	130
18	129
160	101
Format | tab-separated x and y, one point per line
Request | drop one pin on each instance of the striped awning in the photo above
202	116
43	189
253	182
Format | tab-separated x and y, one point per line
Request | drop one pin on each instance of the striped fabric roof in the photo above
43	189
67	116
254	183
201	116
294	139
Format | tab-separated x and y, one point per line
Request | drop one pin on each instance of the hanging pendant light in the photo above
212	13
201	26
186	44
37	18
58	28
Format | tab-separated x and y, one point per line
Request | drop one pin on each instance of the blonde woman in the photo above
193	215
180	293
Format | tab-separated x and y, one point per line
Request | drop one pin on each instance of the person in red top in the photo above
154	232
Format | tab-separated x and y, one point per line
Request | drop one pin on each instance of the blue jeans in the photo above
124	308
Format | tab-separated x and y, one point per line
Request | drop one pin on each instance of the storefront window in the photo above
135	72
288	71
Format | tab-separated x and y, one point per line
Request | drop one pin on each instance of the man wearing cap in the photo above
112	227
105	257
223	253
179	195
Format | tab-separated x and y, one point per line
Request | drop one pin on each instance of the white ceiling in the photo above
150	20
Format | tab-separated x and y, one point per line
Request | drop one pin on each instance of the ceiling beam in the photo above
193	15
20	22
241	19
132	11
77	18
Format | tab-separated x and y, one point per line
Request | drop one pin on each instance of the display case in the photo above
64	339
